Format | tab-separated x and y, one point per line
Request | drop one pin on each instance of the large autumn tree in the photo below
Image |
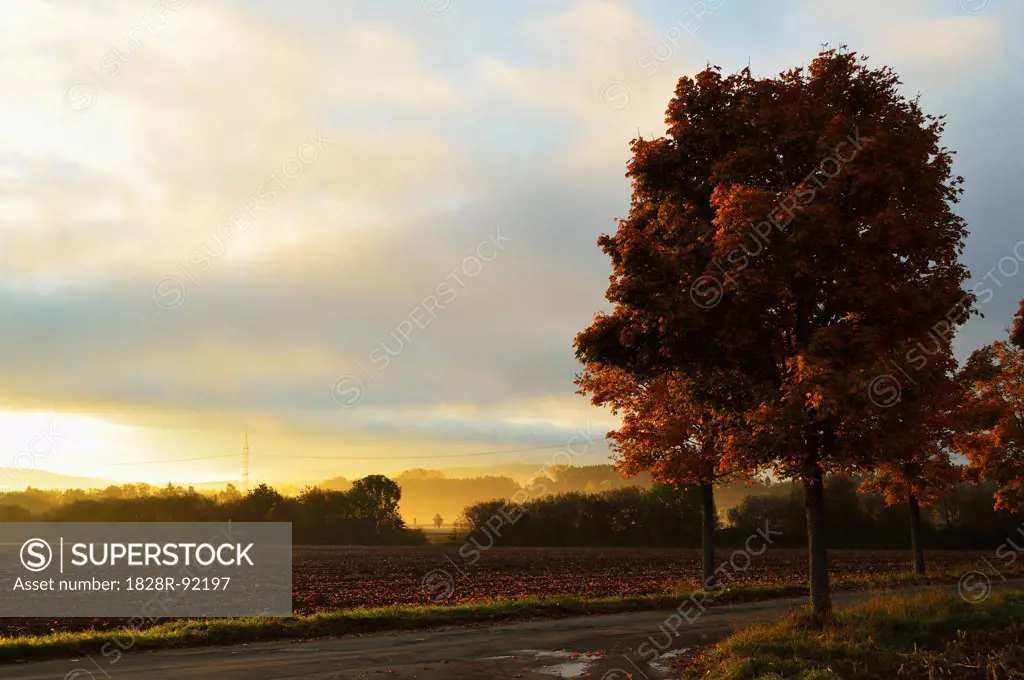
671	435
796	233
993	438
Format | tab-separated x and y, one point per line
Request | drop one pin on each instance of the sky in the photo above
365	233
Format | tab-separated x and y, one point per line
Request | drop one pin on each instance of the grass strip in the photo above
928	635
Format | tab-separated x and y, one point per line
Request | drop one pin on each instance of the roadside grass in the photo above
928	635
205	632
202	632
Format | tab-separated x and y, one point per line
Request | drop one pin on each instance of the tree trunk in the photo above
915	534
707	536
817	555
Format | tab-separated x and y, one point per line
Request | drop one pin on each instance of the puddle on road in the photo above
664	664
575	664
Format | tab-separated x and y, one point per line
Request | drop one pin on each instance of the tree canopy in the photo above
788	240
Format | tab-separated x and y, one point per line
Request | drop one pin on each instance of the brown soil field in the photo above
329	577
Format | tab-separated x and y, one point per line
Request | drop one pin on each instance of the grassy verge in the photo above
200	632
196	632
929	635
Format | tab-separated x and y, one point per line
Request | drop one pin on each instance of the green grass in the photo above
929	635
203	632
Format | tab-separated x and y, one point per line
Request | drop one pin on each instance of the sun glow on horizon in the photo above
65	443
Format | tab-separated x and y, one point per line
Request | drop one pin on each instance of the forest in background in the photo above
425	493
664	516
570	506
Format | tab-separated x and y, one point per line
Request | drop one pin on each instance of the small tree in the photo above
262	504
918	480
993	433
375	499
230	494
664	432
917	438
438	521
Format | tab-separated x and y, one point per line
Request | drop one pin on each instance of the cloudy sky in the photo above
364	231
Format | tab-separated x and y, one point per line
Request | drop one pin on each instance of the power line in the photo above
454	455
161	462
342	460
199	482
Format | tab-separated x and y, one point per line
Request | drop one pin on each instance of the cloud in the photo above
188	120
442	129
911	35
586	73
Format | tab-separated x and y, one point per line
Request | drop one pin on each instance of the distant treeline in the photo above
429	492
425	493
664	516
366	513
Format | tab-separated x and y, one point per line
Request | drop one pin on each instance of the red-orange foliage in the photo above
664	429
928	476
993	438
863	268
918	438
795	234
1017	329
